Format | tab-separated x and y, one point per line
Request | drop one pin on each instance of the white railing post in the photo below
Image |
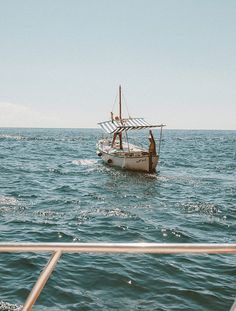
233	308
131	248
42	280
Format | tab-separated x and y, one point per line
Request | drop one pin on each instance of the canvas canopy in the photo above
116	126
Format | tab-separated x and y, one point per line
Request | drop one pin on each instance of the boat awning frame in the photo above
115	126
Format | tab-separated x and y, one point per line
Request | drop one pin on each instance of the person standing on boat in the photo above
152	145
116	134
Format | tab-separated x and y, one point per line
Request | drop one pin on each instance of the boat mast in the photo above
120	117
120	120
120	104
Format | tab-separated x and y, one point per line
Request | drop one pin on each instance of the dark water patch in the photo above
65	189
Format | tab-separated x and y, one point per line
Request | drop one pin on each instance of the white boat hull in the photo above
135	160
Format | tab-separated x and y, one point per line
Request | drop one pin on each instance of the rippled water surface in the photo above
53	188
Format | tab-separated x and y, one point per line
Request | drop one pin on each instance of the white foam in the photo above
7	136
5	306
86	162
8	200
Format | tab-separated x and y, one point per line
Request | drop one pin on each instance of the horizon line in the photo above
97	128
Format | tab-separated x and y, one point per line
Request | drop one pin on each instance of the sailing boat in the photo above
117	151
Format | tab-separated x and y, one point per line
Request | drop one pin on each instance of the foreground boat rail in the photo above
59	248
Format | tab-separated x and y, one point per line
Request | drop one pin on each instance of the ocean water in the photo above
54	188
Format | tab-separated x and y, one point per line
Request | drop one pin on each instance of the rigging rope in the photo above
124	99
123	96
114	102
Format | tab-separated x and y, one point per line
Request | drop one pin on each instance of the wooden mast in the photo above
120	103
120	120
120	117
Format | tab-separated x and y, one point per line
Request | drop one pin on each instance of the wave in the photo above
200	208
5	306
85	162
10	206
41	138
14	137
85	216
5	200
48	214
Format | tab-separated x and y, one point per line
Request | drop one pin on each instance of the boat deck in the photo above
128	149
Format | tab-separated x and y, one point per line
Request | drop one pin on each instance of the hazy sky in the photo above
61	62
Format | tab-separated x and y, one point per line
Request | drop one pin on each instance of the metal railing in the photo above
59	248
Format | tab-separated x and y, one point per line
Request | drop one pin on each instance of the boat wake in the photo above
85	162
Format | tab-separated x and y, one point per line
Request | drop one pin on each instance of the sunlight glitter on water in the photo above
86	162
54	188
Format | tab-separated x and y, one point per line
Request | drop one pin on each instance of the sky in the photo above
61	62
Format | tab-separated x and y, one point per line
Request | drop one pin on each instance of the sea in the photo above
54	188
